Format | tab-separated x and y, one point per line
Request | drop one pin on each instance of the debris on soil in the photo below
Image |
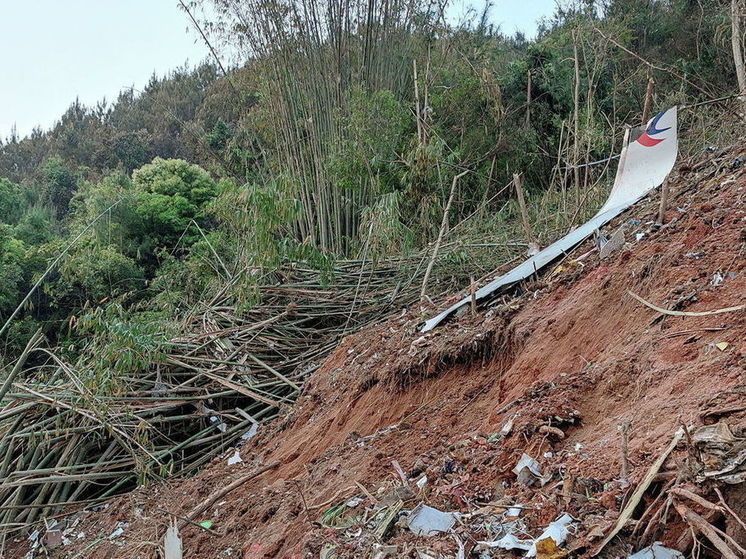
542	379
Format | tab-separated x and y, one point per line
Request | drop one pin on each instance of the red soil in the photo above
575	351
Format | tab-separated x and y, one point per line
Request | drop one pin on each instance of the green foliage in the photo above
60	185
172	194
12	270
117	344
312	151
11	202
98	273
36	226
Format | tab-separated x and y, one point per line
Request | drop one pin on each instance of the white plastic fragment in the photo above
557	530
657	551
527	462
508	541
119	530
514	511
508	427
427	521
251	432
172	542
235	459
355	501
421	482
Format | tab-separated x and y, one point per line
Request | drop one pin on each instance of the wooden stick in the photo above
706	529
220	493
729	510
648	101
624	474
518	182
664	201
443	226
701	501
685	313
640	491
528	99
473	293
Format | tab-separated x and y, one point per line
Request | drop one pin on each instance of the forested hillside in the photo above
348	140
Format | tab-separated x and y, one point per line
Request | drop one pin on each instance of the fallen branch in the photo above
708	530
220	493
729	510
685	313
640	491
701	501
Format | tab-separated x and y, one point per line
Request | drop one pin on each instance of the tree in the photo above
11	201
60	186
171	194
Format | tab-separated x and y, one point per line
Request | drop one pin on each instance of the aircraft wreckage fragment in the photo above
644	164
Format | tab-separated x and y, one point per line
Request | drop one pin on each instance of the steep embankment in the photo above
563	365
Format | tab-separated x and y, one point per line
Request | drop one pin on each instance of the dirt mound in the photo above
553	373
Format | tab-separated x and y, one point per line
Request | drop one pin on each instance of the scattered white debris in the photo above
427	521
172	542
514	511
657	551
528	470
508	427
639	236
557	531
251	432
717	279
235	459
355	501
421	482
119	530
508	541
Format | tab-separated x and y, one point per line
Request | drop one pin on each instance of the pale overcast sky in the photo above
56	50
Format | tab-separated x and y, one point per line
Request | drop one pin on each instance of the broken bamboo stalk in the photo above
518	183
629	509
441	232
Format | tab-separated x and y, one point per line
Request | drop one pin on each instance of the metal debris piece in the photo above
251	432
508	541
527	470
641	168
119	530
428	521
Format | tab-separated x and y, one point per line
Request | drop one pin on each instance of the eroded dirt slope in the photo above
575	353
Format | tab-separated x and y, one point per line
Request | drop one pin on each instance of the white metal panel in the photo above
644	164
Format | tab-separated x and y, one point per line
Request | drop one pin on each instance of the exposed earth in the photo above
557	372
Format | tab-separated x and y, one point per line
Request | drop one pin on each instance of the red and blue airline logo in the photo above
647	138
